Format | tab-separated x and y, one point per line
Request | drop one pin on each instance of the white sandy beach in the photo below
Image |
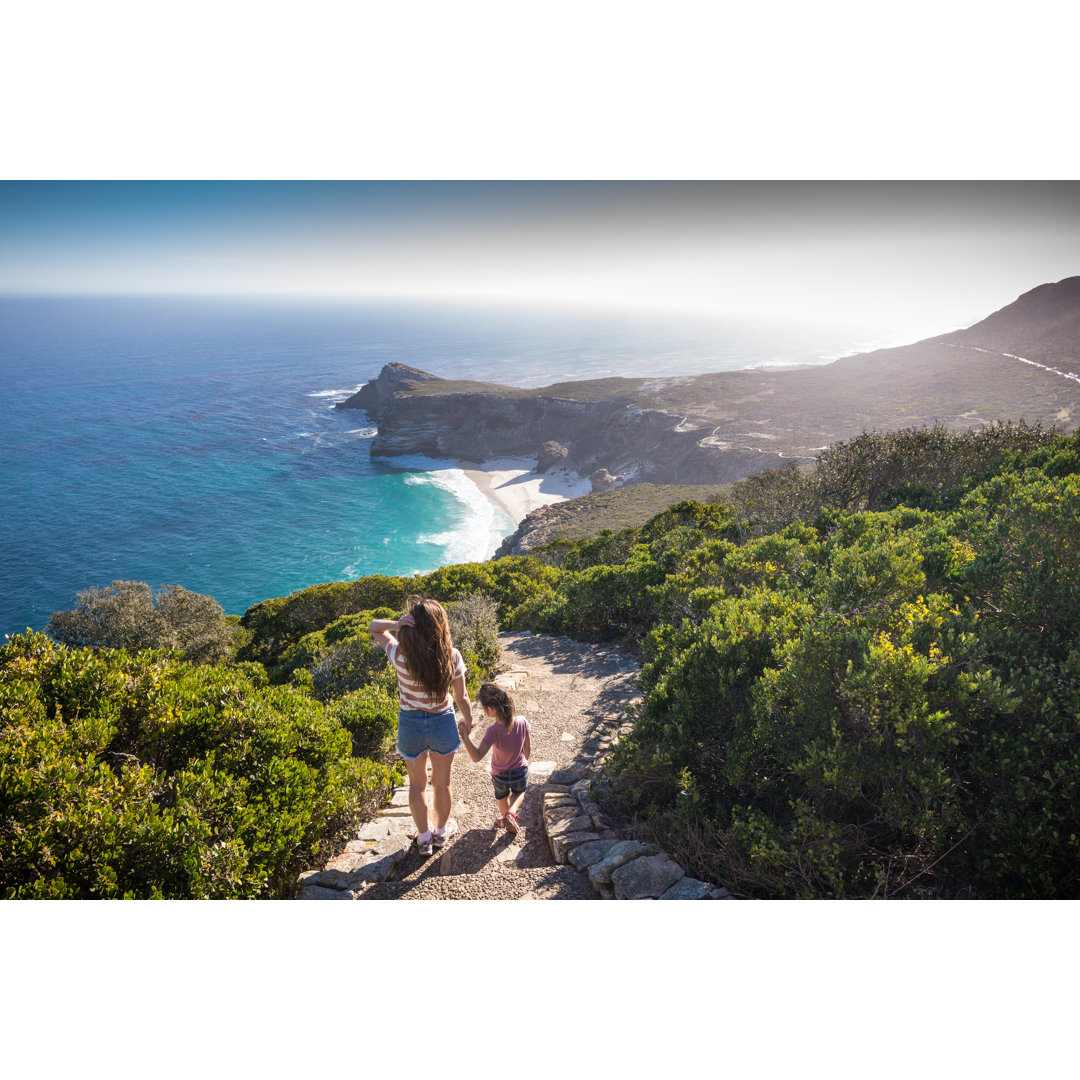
514	486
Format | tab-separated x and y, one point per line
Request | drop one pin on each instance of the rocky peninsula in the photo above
1020	363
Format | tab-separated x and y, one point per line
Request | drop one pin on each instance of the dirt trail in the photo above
574	696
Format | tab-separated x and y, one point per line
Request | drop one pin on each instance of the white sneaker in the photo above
438	839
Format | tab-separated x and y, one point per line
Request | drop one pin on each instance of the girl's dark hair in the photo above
495	697
426	647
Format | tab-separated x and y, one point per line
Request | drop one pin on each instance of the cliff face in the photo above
485	422
715	428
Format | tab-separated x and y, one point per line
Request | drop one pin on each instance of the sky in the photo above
944	253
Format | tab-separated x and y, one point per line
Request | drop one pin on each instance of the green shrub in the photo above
129	615
339	658
276	624
474	630
884	704
370	715
136	775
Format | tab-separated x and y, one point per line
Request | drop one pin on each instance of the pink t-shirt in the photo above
507	744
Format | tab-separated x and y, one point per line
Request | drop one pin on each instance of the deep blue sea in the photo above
194	441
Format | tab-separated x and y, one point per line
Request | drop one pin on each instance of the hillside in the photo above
716	428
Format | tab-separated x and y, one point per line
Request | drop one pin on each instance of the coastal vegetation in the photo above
131	767
861	679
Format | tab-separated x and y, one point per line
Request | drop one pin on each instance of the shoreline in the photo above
515	488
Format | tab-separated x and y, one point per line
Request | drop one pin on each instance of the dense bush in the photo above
474	629
881	704
128	615
930	468
339	658
136	775
276	624
370	716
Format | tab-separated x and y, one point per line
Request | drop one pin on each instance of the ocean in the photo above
194	441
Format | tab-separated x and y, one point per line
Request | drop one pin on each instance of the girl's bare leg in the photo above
418	792
514	806
441	767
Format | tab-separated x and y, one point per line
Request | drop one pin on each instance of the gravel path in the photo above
574	696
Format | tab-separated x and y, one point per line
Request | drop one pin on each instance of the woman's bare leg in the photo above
418	792
441	768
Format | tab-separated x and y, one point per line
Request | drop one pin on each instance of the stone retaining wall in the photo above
618	869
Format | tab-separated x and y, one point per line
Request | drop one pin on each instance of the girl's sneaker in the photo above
438	839
510	822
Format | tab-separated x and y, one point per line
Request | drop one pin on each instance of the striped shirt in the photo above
411	695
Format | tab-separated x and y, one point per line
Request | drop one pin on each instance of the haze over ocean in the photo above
194	441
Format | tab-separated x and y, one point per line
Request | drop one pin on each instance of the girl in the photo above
428	669
509	739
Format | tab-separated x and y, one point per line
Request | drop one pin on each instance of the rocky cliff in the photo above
418	413
1021	363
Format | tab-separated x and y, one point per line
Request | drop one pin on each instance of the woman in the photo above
428	669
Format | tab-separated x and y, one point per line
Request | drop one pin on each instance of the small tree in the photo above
127	615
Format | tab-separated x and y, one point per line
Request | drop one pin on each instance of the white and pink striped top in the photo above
411	695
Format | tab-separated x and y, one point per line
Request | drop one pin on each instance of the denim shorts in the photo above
513	780
418	731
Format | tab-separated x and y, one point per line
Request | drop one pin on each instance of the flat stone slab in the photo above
562	847
558	798
621	853
568	825
510	854
384	858
584	855
571	774
378	829
345	863
330	878
314	892
688	888
646	878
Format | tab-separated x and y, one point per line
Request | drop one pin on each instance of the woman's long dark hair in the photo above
426	647
495	697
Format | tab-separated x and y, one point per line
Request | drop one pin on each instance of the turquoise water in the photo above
195	441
